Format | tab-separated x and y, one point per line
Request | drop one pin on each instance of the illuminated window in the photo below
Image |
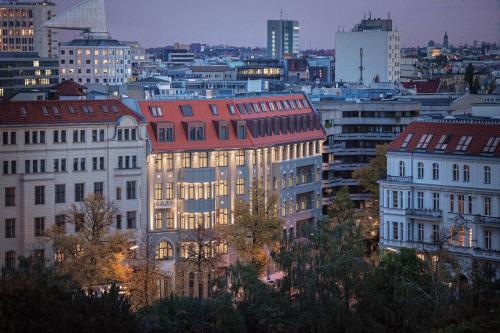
36	63
240	157
165	251
203	159
158	220
240	186
158	191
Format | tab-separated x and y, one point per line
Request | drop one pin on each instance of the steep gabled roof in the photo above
444	137
244	112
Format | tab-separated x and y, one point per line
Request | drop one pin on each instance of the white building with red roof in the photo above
53	154
206	154
443	192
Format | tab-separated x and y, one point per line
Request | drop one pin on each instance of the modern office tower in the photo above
368	53
282	39
104	61
53	154
353	132
22	27
26	72
206	154
443	190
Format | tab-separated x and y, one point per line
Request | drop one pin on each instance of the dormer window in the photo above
292	104
263	107
241	130
223	131
305	103
231	109
299	104
256	107
166	132
286	105
196	132
45	111
241	108
249	108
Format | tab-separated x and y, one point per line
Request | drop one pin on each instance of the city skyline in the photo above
319	20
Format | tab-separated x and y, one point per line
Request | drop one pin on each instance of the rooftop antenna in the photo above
281	14
361	68
370	13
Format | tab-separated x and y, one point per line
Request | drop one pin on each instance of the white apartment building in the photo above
104	61
443	181
376	50
53	154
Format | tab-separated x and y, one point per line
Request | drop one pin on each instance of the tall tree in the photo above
201	253
144	279
93	255
469	76
369	175
342	208
476	86
256	227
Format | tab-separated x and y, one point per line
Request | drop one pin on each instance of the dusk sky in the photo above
243	22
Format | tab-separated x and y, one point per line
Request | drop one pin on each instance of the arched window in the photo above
420	170
456	173
487	175
401	168
10	259
164	251
435	171
466	173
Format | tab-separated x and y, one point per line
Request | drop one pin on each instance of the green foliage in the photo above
376	170
476	86
342	209
469	76
256	226
35	299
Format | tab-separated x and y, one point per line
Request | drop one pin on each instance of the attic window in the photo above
464	142
155	111
279	106
492	145
231	109
305	103
407	140
249	107
45	111
90	109
213	109
443	142
241	108
55	110
292	104
84	107
23	111
71	109
271	106
299	104
263	107
186	110
256	107
104	108
286	105
115	109
424	141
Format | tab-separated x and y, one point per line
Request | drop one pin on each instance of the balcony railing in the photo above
489	219
163	204
400	179
426	213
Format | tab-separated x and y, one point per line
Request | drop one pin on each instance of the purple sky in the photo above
243	22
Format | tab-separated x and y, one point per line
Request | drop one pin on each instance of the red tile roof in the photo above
202	113
481	133
69	88
423	87
63	112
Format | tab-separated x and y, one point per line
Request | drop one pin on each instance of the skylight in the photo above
213	109
155	111
186	110
492	145
424	141
443	142
407	140
464	142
